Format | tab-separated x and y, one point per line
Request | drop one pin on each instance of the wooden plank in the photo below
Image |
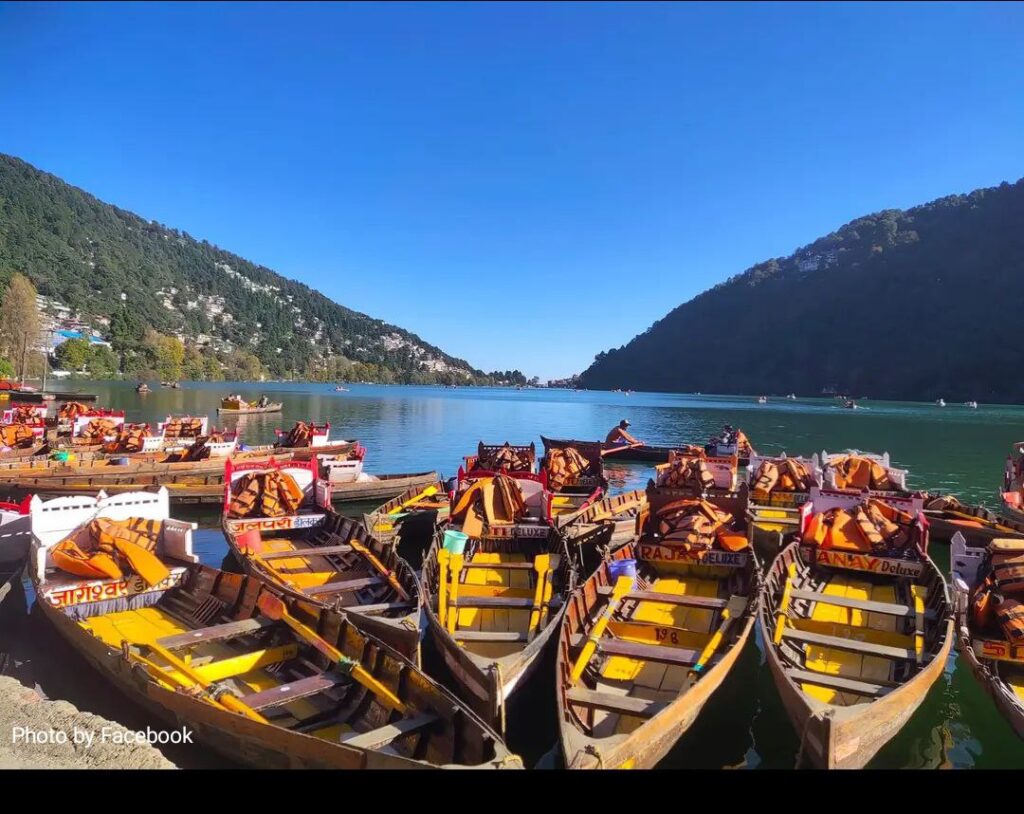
610	702
838	683
489	636
286	693
661	654
379	607
214	633
307	552
852	645
670	599
346	585
500	566
887	608
383	735
491	602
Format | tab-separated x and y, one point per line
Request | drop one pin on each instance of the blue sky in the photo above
564	173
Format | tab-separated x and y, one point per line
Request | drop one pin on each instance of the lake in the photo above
409	429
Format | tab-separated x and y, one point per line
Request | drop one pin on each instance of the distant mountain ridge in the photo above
925	303
83	253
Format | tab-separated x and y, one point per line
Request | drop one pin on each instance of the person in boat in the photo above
263	402
618	435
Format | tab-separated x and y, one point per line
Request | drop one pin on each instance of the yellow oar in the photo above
222	697
391	578
623	585
274	608
430	491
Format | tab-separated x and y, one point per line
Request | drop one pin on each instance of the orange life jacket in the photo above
564	465
113	549
1010	613
265	494
983	603
16	435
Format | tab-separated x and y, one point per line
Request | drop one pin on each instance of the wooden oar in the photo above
383	569
619	447
623	585
430	491
274	608
224	698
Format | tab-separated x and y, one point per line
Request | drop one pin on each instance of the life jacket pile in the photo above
200	449
685	473
504	459
563	466
943	503
301	435
496	501
16	435
130	438
1000	591
96	431
785	475
264	494
183	428
857	472
872	527
71	410
697	525
114	549
24	414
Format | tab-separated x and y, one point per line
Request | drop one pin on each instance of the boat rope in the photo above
593	751
814	716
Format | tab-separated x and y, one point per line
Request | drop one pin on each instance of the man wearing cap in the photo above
618	435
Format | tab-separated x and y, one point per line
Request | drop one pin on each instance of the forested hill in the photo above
84	253
916	304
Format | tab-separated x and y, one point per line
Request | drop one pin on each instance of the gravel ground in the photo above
39	734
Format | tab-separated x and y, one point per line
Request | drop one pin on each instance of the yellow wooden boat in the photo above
319	556
268	683
645	642
854	643
408	522
996	663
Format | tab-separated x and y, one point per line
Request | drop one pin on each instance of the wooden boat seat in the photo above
376	738
242	663
379	607
215	633
500	566
853	645
611	702
887	608
286	693
839	683
345	585
492	602
660	654
307	552
691	601
490	636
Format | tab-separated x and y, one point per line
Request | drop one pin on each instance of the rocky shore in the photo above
36	733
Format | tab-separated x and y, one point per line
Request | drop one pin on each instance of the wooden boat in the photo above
319	556
213	652
774	514
997	664
380	487
607	524
39	449
425	508
524	457
572	492
15	538
238	407
491	611
978	525
142	388
641	454
854	642
640	654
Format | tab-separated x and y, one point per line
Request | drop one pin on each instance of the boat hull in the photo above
616	452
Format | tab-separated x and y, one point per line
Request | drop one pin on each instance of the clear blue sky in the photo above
567	173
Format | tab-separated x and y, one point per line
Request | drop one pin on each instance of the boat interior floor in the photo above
650	647
490	605
860	654
339	576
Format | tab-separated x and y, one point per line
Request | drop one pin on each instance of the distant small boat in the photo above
940	403
850	404
762	399
972	404
791	396
142	388
340	389
238	406
173	385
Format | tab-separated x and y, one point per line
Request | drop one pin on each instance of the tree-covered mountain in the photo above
916	304
83	254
